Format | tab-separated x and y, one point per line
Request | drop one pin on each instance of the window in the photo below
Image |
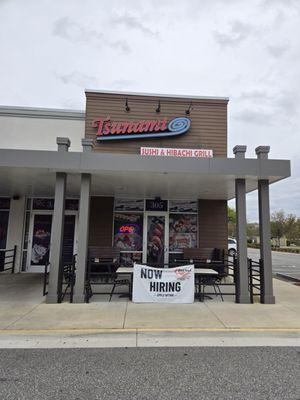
128	232
183	224
182	231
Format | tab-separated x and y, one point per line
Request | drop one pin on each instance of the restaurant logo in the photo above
115	130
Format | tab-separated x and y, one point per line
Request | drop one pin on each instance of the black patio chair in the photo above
119	282
214	281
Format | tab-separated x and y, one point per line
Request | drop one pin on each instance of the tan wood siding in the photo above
213	230
101	221
208	121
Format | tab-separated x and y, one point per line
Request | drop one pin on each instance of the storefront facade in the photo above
147	174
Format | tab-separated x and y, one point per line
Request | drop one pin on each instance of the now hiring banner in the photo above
161	285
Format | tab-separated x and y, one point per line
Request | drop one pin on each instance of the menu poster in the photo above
183	206
129	205
182	231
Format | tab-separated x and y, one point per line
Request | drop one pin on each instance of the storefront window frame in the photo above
29	210
168	213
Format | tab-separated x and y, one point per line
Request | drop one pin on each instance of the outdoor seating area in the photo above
105	274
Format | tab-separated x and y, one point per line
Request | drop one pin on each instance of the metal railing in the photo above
8	259
255	275
67	280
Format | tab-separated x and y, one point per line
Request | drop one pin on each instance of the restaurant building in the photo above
147	174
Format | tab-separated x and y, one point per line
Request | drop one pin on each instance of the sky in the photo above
51	50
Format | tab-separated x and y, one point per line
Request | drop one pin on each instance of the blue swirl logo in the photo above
179	125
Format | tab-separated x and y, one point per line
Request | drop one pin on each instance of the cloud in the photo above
254	95
258	117
283	3
288	102
76	33
278	51
237	33
78	79
120	44
67	29
121	84
132	22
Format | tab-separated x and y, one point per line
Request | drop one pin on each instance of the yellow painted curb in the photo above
144	330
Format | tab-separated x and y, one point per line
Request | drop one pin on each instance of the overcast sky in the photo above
51	50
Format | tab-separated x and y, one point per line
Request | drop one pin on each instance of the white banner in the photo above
163	285
171	152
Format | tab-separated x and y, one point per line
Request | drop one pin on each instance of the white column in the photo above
15	227
57	230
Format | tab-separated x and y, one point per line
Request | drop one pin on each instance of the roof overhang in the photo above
32	173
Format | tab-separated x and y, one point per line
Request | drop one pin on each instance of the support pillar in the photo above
267	295
241	221
57	230
83	230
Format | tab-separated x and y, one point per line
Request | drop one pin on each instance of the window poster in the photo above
183	206
41	239
129	205
43	204
128	232
182	231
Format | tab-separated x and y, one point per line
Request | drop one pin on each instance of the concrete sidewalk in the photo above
27	314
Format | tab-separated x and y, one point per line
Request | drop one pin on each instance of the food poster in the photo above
41	239
129	205
182	206
128	232
182	231
155	239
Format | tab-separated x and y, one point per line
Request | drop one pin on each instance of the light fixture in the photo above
127	108
188	111
158	107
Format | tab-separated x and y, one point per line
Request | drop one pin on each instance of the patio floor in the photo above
22	307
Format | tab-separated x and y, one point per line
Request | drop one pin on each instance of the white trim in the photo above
161	95
37	112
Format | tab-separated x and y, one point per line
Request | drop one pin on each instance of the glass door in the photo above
156	250
39	244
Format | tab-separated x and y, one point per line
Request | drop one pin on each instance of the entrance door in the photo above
39	244
156	243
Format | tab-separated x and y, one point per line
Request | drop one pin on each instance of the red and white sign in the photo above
170	152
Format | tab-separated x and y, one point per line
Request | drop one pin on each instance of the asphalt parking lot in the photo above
283	263
157	373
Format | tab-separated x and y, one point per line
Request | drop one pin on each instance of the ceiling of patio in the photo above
34	182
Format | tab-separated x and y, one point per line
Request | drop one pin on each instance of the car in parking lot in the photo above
232	247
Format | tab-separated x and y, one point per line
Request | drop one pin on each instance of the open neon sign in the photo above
128	229
114	130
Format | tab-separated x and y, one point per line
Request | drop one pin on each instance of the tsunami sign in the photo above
116	130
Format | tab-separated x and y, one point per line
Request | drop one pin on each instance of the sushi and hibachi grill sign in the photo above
143	129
